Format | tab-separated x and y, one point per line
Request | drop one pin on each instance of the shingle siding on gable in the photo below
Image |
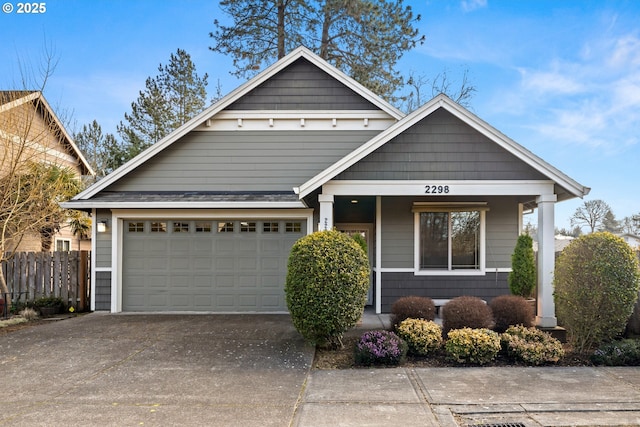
441	147
302	86
242	161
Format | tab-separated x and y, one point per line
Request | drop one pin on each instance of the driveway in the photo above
152	370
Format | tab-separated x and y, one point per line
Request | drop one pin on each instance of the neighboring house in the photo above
632	240
50	143
204	219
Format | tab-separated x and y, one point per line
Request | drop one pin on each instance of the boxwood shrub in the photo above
596	285
511	310
466	312
531	345
412	307
326	286
475	346
422	336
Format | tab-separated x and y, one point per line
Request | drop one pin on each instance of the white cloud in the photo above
471	5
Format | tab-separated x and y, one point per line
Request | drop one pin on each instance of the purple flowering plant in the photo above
380	347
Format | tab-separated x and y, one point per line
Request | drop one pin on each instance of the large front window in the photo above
449	240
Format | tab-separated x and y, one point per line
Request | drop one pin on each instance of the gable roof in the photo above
232	97
442	101
14	98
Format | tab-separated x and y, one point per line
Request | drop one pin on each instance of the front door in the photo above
366	231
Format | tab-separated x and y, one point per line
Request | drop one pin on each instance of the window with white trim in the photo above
63	245
450	240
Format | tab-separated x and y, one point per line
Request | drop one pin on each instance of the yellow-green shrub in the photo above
478	346
596	285
326	287
422	336
531	345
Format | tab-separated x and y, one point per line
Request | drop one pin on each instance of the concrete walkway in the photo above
527	396
254	370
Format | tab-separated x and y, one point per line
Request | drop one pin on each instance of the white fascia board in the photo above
67	137
233	96
222	214
467	117
182	205
437	188
516	149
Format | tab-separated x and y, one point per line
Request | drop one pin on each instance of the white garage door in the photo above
207	265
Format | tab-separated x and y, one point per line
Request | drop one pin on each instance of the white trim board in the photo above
453	188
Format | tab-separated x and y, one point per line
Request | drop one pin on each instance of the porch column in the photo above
546	317
326	212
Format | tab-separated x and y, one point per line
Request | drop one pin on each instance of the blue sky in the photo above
561	78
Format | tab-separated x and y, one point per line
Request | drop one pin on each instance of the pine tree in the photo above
365	39
168	101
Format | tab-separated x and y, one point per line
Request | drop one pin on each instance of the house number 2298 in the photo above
436	189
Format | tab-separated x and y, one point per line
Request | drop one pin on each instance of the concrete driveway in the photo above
152	370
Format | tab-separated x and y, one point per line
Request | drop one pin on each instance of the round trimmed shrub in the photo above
531	345
522	278
511	310
596	285
380	348
326	287
422	336
477	346
466	312
412	307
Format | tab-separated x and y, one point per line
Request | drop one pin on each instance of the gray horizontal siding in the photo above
397	232
302	86
442	147
397	285
242	161
103	241
103	290
502	231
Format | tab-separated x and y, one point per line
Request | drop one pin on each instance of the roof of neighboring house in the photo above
13	98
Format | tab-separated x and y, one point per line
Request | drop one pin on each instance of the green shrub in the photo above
412	307
326	286
422	336
477	346
380	348
596	285
48	302
511	310
522	278
531	345
361	241
466	312
618	353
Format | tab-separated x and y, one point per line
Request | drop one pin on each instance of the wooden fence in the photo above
32	275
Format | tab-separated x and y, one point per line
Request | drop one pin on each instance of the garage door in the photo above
207	265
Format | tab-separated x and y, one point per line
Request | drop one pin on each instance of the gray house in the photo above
204	219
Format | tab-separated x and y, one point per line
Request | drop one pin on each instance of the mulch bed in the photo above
343	359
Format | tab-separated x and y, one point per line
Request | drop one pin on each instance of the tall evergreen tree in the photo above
99	149
365	39
168	101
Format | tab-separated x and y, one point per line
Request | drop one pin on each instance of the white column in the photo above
326	212
546	317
